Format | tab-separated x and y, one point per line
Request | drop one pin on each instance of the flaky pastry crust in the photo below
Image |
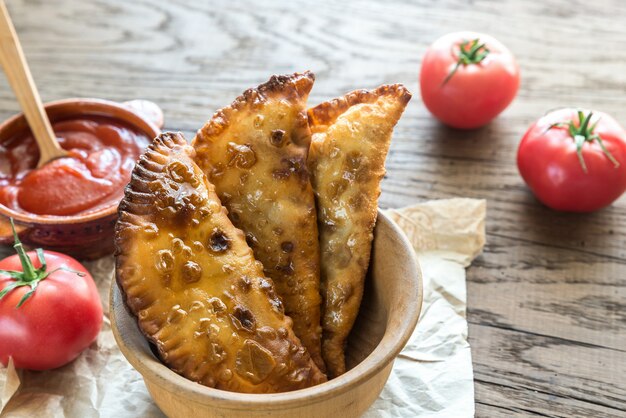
192	281
351	137
255	152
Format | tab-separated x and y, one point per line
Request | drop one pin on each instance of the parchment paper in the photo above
431	377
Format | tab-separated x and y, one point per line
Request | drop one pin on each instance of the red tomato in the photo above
467	79
562	159
61	318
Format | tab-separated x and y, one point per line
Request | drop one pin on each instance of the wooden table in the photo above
547	299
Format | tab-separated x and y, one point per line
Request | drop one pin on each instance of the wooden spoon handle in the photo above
20	79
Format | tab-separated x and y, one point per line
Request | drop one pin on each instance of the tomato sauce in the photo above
102	154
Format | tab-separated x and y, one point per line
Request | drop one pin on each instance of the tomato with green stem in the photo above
467	79
574	160
50	309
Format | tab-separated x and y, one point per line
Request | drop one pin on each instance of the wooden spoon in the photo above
21	81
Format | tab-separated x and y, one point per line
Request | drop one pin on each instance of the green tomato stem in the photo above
470	52
30	273
606	152
584	133
29	276
580	140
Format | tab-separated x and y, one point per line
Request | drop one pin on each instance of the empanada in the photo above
255	152
351	137
194	285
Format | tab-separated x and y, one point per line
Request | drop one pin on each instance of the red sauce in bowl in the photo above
102	154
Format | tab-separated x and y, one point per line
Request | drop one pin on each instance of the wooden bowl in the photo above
391	306
84	236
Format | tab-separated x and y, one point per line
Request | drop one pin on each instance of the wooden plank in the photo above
524	374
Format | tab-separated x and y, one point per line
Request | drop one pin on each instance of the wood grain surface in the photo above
547	299
21	81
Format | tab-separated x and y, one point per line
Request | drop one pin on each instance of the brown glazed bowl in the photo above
389	311
84	236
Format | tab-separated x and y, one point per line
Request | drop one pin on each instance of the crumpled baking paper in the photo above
431	377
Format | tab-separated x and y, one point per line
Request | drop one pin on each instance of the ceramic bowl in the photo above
391	306
89	235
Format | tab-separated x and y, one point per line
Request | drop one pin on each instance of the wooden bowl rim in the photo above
155	372
84	106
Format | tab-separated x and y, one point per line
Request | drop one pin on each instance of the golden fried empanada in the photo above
194	285
255	152
351	137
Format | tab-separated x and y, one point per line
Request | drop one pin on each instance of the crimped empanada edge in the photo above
130	206
296	86
327	113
